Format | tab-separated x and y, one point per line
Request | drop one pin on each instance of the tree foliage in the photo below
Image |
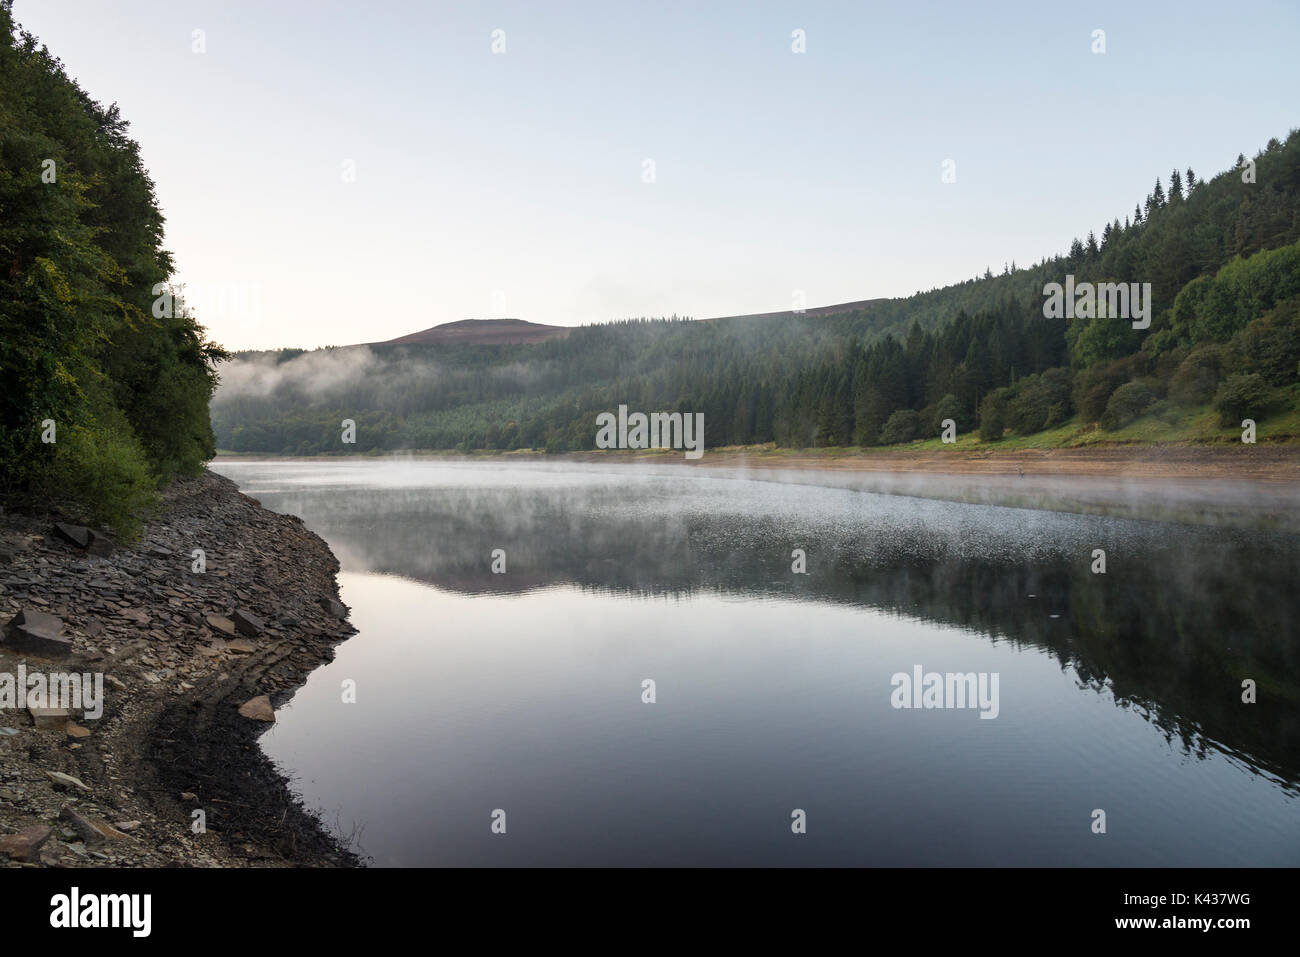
80	346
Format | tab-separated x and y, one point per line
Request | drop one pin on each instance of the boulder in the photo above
100	545
246	623
77	535
333	607
50	719
39	633
26	844
258	709
89	540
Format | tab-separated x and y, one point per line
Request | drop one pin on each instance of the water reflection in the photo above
1180	618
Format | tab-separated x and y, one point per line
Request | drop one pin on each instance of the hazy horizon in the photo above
510	184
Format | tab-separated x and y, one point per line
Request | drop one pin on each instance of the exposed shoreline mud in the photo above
179	651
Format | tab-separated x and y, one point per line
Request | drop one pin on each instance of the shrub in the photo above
98	475
949	407
1041	400
1198	376
1271	344
1241	397
903	426
1127	403
1093	387
992	417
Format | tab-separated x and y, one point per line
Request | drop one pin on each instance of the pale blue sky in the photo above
511	184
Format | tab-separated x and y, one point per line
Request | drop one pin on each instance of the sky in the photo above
334	173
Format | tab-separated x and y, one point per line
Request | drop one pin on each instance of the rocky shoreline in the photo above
192	656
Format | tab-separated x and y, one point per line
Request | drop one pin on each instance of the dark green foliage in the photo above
80	257
1271	344
993	420
1040	401
1242	396
1126	404
1198	376
1094	386
903	426
949	408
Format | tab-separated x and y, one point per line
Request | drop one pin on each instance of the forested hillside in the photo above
100	399
1222	257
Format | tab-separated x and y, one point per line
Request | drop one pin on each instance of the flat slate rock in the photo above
50	719
39	633
246	623
220	624
67	780
25	845
89	829
88	539
77	535
258	709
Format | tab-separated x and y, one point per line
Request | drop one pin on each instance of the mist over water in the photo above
522	691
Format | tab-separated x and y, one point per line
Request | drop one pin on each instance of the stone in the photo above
50	719
67	780
258	709
189	796
220	624
246	623
39	633
127	825
333	607
77	731
89	829
241	646
100	545
77	535
25	845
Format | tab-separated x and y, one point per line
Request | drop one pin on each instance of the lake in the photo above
511	615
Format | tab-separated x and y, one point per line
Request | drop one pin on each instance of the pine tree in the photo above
1191	181
1175	187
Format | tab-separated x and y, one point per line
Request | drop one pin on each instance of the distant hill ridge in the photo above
492	332
483	332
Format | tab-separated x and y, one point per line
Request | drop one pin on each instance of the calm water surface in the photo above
522	691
